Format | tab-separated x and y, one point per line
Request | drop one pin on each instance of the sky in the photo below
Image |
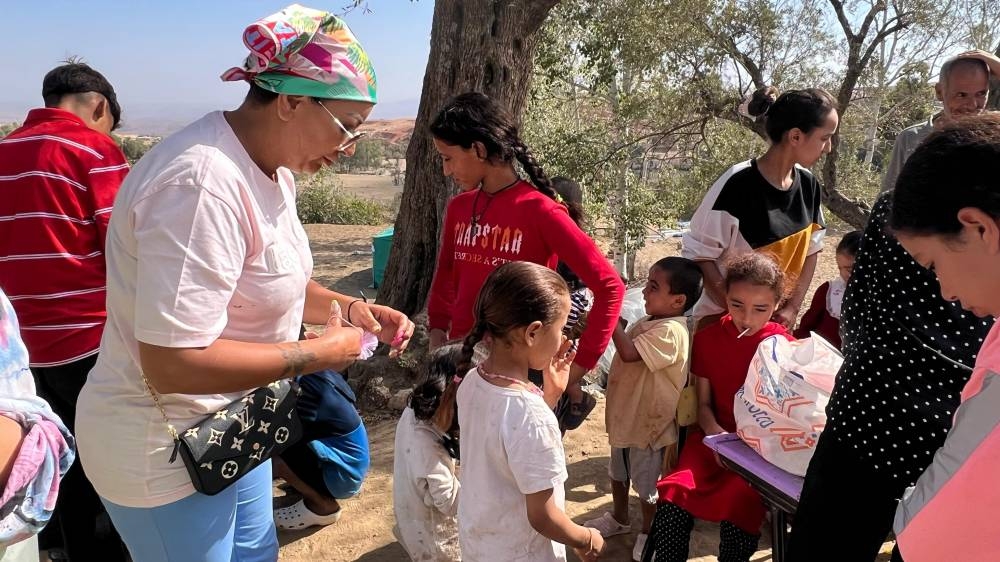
164	57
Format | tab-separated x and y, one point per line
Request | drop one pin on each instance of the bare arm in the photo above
11	434
318	299
552	523
991	60
706	417
714	284
624	345
789	311
798	296
232	366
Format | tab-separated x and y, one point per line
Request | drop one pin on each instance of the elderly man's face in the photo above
965	92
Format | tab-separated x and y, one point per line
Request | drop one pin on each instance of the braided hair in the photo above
469	346
434	398
441	369
515	294
474	117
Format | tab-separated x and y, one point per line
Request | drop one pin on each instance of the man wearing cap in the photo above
59	174
208	283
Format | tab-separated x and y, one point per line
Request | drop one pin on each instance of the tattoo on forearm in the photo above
296	359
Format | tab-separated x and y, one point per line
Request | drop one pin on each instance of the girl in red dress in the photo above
700	487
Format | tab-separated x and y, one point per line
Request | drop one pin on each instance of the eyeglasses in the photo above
352	138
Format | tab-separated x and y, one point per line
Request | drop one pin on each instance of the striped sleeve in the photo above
712	232
104	179
819	221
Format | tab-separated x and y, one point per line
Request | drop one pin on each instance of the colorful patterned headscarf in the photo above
306	52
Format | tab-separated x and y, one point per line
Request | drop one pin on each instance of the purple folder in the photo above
778	487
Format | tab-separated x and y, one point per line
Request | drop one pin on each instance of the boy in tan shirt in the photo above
647	374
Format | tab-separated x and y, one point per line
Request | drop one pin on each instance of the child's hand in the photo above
713	429
786	316
555	377
437	338
594	549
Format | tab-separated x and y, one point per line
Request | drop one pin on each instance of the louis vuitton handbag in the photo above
238	438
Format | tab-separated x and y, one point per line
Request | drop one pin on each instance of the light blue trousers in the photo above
235	525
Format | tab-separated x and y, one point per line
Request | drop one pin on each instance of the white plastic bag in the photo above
781	409
633	308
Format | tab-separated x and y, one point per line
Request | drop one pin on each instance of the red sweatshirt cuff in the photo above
587	358
437	323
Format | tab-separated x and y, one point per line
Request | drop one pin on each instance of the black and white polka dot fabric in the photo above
895	398
735	544
670	537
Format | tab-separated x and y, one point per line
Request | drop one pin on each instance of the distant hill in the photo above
162	119
393	131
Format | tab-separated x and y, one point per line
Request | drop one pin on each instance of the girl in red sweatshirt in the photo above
499	218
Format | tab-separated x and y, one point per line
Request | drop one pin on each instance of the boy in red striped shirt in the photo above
59	173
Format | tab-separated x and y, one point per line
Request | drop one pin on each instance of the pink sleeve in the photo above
442	294
582	255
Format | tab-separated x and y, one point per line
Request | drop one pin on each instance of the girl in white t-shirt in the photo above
424	482
513	464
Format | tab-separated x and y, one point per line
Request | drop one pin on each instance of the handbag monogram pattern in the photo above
238	438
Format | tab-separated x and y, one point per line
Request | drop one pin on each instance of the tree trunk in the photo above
851	212
476	45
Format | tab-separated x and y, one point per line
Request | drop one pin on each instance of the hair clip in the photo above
559	199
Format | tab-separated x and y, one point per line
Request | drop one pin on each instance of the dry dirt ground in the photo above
364	533
372	186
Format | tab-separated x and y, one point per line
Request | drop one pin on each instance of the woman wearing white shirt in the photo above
208	282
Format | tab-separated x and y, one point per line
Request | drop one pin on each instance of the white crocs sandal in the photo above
297	516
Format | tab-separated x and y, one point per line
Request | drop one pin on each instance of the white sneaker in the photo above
608	526
640	545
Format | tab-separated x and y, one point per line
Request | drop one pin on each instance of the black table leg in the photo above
779	534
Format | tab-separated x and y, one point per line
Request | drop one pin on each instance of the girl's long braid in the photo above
538	176
469	347
532	167
444	417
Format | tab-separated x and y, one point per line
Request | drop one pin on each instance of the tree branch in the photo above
639	139
534	13
838	7
878	6
885	32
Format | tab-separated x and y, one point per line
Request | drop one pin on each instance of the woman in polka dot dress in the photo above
700	487
907	355
952	511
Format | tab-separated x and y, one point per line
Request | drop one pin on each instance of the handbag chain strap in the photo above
156	400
